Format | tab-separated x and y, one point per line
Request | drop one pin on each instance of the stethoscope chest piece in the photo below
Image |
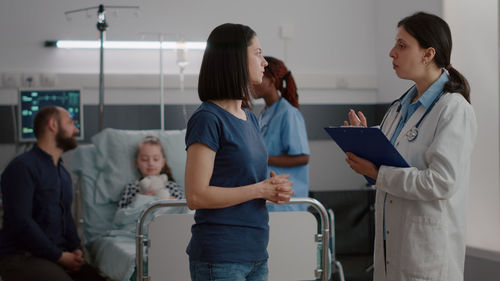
412	134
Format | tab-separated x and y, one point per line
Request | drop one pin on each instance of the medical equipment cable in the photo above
14	126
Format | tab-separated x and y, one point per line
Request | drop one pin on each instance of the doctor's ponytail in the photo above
432	31
457	84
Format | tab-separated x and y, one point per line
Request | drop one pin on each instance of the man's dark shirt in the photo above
37	199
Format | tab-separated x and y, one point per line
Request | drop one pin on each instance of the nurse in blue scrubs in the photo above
283	129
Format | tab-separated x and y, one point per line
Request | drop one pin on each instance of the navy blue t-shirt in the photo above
239	233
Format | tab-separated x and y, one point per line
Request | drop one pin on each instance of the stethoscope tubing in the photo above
412	134
399	100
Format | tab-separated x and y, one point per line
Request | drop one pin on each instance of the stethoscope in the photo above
412	134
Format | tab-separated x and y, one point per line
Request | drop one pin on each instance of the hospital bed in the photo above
103	168
106	165
296	250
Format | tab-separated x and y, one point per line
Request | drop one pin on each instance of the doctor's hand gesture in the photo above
358	164
361	165
357	120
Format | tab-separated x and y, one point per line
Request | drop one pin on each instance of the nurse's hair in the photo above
153	140
432	31
283	80
224	68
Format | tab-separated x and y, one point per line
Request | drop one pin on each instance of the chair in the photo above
336	265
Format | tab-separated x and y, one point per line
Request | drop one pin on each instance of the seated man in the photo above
38	240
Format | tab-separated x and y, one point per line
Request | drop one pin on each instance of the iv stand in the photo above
162	97
101	26
161	38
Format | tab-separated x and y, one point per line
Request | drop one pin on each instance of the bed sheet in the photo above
115	257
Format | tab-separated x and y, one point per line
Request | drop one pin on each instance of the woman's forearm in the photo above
288	160
214	197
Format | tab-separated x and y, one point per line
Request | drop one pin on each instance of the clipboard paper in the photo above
368	143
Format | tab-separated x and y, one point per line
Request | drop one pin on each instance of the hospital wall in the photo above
338	52
476	45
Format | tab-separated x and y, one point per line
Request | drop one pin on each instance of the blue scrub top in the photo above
284	131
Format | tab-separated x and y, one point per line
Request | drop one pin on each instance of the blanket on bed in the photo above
115	252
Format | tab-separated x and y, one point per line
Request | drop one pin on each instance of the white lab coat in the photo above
425	208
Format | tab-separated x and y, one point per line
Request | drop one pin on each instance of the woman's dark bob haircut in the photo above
224	69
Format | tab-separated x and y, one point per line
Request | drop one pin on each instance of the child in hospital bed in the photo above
150	160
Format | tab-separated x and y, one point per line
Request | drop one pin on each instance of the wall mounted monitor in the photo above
32	100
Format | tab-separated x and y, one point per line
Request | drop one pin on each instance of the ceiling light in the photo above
125	45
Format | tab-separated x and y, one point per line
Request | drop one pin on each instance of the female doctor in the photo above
421	210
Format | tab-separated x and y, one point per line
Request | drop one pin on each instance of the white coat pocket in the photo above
424	249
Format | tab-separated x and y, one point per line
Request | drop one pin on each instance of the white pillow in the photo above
115	151
83	161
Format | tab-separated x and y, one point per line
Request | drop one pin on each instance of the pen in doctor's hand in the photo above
355	115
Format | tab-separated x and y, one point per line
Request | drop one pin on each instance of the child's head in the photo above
150	158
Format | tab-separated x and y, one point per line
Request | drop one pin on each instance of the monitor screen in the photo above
32	100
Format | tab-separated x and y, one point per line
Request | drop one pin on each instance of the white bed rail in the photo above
322	238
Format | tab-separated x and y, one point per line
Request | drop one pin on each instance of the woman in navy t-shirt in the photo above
226	166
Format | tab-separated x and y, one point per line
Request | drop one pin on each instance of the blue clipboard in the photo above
368	143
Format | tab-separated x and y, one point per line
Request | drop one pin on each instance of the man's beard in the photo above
65	143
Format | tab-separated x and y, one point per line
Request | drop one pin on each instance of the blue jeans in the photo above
248	271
